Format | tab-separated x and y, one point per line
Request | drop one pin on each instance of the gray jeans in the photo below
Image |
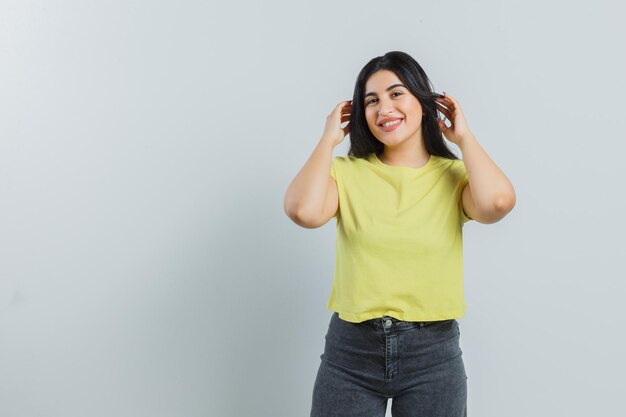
417	364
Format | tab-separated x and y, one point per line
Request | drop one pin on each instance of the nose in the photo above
386	107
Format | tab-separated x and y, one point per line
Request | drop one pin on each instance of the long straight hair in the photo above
362	141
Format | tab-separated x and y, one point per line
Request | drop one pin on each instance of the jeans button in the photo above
388	323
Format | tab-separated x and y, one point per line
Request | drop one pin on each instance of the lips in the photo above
391	127
388	119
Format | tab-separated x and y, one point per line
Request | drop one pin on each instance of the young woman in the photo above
400	199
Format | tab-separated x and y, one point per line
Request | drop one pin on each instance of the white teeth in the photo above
392	123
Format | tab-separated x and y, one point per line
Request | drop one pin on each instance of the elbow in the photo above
300	218
501	209
305	222
289	209
505	204
496	212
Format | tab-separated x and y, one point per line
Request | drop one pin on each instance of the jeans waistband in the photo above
388	322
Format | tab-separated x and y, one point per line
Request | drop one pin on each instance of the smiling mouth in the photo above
390	126
392	123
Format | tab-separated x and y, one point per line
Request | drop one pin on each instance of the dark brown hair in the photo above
362	141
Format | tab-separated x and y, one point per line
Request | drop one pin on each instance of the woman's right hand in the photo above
339	115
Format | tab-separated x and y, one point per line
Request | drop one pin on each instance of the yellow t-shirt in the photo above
399	244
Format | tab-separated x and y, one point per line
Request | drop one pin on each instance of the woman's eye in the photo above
393	94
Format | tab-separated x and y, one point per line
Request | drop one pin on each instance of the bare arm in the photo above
311	198
306	196
489	195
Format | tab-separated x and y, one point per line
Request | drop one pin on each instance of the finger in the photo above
453	107
341	105
452	99
446	106
447	97
445	101
346	129
445	111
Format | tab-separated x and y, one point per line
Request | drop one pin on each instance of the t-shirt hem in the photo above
404	316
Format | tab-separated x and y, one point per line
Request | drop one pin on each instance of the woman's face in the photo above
391	101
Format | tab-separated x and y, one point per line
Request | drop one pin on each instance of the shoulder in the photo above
346	166
456	164
350	158
456	167
350	161
451	166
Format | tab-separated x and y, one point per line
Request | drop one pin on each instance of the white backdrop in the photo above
147	267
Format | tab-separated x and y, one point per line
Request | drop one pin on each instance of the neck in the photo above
408	154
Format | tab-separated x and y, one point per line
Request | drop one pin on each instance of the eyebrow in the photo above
388	88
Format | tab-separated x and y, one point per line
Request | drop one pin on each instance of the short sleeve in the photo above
332	169
464	180
333	173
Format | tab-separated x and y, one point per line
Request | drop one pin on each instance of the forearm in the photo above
306	195
491	189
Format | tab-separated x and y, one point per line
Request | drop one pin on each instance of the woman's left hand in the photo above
453	112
